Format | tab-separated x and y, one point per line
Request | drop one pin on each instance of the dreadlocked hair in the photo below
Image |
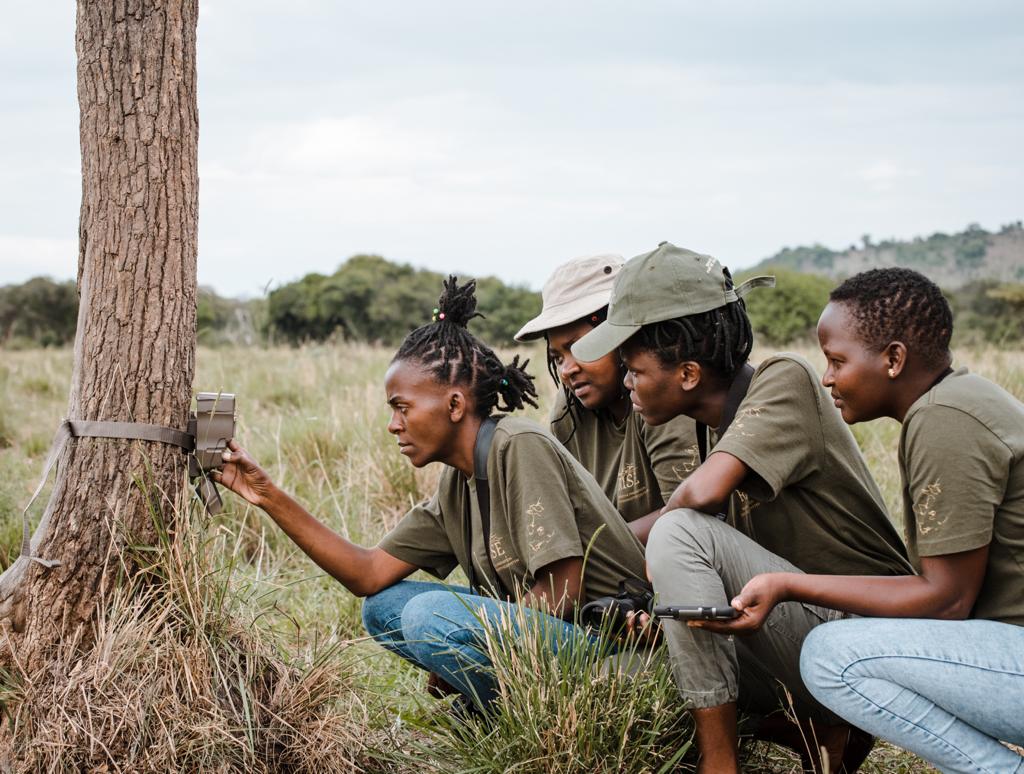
453	355
721	338
899	305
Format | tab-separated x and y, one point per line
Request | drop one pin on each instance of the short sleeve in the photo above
421	540
777	430
673	451
540	515
957	472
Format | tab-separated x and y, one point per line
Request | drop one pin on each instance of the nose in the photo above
828	378
568	368
395	425
627	380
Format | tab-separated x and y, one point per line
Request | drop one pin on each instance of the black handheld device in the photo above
696	612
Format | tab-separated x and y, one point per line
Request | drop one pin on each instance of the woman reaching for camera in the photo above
544	512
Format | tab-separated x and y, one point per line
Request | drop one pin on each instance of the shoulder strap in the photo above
481	451
737	392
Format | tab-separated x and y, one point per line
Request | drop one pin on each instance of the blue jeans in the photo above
440	629
945	690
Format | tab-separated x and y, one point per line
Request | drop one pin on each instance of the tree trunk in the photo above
135	343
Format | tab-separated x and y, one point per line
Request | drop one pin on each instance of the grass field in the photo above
315	417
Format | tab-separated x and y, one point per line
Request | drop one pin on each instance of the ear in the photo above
458	405
895	358
689	375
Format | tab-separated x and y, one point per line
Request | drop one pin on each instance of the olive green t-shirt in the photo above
809	496
637	465
544	507
961	452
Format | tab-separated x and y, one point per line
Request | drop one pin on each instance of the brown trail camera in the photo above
212	425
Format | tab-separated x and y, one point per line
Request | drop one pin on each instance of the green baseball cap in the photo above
666	283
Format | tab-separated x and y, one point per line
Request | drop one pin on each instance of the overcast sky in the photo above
505	138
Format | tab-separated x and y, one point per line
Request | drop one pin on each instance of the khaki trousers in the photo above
696	559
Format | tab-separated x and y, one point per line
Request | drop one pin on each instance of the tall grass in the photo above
244	656
579	706
185	672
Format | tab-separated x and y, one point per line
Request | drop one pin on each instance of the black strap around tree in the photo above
80	428
140	431
481	450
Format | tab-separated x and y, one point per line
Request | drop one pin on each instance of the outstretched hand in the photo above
754	603
243	476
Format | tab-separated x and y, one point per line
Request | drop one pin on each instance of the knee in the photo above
439	616
382	611
821	665
682	530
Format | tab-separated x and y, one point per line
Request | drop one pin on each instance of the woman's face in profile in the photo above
420	413
854	374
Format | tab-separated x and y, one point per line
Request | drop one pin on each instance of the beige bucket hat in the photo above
575	289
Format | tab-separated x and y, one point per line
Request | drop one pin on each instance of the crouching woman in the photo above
523	551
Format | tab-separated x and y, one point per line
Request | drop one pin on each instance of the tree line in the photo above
371	299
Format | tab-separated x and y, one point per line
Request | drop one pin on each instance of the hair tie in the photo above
504	382
437	315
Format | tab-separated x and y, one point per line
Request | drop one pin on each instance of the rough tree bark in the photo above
135	346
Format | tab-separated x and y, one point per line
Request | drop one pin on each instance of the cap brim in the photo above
603	339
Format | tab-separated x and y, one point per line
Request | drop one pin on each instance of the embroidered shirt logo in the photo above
739	425
539	534
747	504
928	518
628	477
689	463
501	558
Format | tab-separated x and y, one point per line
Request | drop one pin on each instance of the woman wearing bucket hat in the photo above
785	476
637	465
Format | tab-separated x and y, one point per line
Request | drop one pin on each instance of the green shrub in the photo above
788	312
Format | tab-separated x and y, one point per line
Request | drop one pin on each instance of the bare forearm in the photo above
641	527
901	596
354	566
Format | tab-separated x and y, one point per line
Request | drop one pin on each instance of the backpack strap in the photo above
737	392
481	451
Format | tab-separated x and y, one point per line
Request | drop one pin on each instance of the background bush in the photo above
370	299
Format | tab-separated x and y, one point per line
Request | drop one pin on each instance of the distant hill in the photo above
950	260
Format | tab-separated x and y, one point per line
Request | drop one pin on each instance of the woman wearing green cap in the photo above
783	473
638	465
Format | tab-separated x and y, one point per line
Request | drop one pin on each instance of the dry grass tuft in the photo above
180	677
